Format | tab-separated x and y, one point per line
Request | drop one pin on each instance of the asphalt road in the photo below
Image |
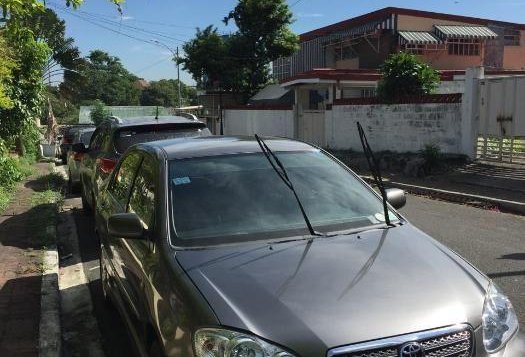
493	241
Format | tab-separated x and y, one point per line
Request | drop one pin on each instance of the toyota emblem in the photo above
411	349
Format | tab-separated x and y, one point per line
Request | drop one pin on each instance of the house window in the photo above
463	47
368	92
511	37
414	48
343	53
316	99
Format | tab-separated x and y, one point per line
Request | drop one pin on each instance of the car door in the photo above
89	161
114	199
138	256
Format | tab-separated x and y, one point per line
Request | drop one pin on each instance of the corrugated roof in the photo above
418	37
445	31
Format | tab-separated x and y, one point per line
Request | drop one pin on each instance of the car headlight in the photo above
215	342
499	319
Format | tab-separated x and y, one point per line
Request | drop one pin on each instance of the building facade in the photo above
446	42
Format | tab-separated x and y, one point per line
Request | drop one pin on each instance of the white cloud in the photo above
301	14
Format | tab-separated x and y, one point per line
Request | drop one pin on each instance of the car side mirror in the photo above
125	225
396	197
80	148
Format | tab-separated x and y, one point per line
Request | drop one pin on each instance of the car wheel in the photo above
156	350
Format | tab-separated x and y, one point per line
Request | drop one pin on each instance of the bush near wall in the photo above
12	170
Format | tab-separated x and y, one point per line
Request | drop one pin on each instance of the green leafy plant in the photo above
405	74
99	112
432	156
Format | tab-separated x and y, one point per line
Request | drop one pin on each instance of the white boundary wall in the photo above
397	128
263	122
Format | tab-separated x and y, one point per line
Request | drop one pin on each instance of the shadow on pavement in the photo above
513	256
20	316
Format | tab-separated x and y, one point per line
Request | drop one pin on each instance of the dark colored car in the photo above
206	252
114	136
67	141
82	136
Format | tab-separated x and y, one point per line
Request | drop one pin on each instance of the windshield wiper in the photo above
374	169
284	177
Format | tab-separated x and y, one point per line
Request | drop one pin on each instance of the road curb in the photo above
458	197
49	344
49	334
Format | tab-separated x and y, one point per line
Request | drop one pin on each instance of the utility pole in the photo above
178	76
176	55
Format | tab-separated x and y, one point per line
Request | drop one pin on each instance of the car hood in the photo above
310	296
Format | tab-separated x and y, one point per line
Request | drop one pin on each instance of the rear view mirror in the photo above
80	148
125	225
396	197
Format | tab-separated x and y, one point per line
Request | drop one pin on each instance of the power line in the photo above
117	26
295	3
152	65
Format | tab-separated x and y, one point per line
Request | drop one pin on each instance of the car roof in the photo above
86	130
215	145
152	120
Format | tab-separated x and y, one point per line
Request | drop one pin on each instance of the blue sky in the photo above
174	21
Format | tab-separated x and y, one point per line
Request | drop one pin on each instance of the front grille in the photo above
455	343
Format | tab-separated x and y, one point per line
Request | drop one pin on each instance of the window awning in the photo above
417	37
477	32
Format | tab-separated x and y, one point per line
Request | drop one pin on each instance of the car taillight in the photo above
106	165
77	156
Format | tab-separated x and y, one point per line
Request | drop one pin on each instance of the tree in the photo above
264	35
7	65
240	61
18	123
165	93
105	78
404	74
99	113
47	27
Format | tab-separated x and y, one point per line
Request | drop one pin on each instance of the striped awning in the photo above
417	37
478	32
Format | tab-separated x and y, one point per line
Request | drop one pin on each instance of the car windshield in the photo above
241	197
85	136
127	137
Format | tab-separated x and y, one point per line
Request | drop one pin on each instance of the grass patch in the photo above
48	197
52	181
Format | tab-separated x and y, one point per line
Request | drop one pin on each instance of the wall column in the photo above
470	111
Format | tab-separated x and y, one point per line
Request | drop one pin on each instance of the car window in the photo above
96	140
126	137
241	197
123	179
85	137
142	199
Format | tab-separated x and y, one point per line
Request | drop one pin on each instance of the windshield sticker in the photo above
380	217
181	180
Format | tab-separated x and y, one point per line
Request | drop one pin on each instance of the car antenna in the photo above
284	177
157	113
374	169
